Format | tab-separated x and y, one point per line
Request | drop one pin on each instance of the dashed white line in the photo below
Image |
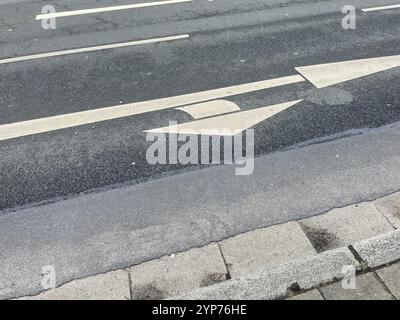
94	48
107	9
396	6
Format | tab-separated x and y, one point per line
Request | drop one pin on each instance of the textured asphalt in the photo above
339	146
114	229
231	42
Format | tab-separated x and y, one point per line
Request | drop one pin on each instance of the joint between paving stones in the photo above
228	274
383	284
359	259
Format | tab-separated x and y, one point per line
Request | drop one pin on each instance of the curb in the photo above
282	281
276	262
301	276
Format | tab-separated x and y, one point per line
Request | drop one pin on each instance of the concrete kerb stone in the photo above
380	250
281	281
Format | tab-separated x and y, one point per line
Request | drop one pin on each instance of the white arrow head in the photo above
228	124
324	75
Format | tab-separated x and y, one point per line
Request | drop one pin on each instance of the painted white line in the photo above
90	49
228	124
396	6
324	75
210	108
25	128
107	9
320	75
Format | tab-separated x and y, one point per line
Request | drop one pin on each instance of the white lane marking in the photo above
396	6
25	128
90	49
228	124
107	9
320	75
324	75
211	108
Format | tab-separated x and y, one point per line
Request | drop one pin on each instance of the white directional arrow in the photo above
320	75
324	75
228	124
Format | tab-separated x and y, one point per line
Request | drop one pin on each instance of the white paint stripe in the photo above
90	49
25	128
107	9
396	6
228	124
210	108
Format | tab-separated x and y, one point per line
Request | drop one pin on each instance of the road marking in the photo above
320	75
30	127
211	108
107	9
324	75
90	49
228	124
396	6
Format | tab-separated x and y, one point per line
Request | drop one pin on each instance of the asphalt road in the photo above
169	208
230	43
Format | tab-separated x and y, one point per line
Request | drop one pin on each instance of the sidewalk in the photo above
299	260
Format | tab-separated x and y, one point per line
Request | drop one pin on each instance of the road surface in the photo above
228	43
76	102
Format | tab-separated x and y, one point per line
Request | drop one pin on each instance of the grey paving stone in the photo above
391	277
309	295
174	275
379	250
277	281
390	207
110	286
259	249
367	288
341	227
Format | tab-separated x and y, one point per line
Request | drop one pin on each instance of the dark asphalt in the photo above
113	229
231	42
